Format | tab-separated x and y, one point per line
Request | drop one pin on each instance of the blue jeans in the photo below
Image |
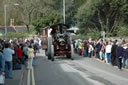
108	57
97	55
124	62
34	63
119	62
8	69
85	53
89	55
22	59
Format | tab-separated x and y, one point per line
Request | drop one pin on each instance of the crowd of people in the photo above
111	52
14	53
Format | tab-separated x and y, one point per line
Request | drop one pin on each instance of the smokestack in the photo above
12	22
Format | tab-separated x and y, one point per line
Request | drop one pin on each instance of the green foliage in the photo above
79	36
85	13
123	31
94	35
108	34
51	19
71	10
102	14
17	35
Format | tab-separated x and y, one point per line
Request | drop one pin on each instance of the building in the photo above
13	29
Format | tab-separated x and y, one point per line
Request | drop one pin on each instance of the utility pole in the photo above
64	10
5	19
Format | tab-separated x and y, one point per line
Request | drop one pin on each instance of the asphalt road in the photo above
80	71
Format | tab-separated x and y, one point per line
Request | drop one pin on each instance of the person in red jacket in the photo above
19	53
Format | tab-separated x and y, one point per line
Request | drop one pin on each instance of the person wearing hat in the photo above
125	55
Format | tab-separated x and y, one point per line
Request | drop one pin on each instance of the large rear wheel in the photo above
49	47
52	52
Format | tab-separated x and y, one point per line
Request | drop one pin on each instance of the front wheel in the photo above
72	53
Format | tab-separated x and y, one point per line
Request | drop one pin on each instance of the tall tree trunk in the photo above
28	28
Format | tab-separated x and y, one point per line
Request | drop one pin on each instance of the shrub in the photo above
79	36
122	32
94	36
16	35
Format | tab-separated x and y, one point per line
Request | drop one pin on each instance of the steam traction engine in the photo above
59	42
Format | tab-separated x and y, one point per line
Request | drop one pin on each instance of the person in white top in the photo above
108	52
90	49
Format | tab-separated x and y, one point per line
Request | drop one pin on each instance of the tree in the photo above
29	10
51	19
71	7
28	7
84	15
103	15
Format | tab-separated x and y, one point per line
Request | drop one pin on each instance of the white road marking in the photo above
33	78
28	82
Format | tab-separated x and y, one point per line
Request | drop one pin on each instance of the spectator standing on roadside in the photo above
2	62
119	55
113	54
121	41
20	53
73	42
35	47
108	52
125	55
80	47
40	42
30	57
77	45
25	51
14	55
85	49
124	42
102	56
8	60
127	60
38	47
98	47
90	49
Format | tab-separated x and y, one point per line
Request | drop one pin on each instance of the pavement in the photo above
62	71
18	77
